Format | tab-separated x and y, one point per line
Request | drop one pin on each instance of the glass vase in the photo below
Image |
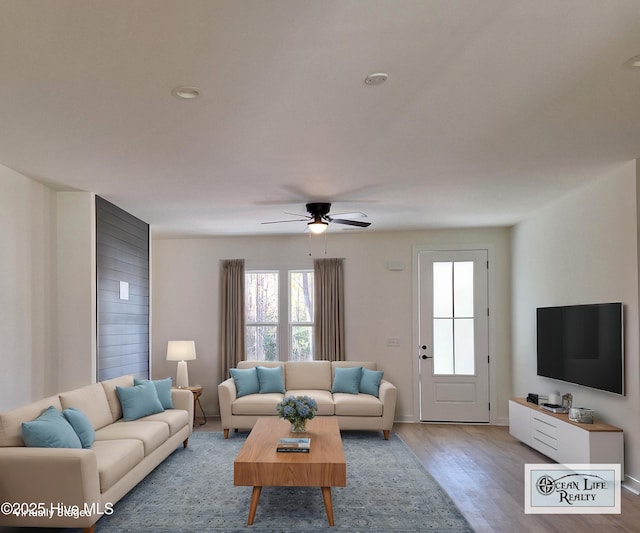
299	426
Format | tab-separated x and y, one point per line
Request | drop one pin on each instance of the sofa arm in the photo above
36	477
388	394
183	399
226	395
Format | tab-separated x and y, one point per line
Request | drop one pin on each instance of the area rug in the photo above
192	490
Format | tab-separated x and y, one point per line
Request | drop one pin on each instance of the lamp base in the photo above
182	377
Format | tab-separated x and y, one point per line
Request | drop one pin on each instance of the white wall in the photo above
185	283
75	317
581	249
27	277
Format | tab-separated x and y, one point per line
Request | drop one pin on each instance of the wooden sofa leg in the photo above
386	434
185	442
226	433
89	529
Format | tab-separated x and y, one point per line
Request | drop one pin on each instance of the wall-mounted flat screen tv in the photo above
582	344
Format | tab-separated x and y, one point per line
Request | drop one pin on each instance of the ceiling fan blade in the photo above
356	214
281	221
351	222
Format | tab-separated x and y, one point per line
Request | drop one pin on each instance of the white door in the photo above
453	336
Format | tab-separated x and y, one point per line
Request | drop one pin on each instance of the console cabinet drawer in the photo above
545	438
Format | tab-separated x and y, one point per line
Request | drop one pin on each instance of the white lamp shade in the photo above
181	351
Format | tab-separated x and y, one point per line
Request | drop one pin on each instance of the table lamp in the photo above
181	351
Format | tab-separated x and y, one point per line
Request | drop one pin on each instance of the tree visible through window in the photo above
273	308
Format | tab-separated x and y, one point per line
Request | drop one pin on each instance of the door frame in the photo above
416	249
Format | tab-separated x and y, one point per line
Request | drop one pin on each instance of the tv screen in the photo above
582	344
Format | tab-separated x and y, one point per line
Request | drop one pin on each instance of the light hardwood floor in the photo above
482	470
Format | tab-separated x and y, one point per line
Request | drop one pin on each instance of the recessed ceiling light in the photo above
186	92
634	62
376	78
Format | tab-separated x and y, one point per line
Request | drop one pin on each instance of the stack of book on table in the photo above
294	445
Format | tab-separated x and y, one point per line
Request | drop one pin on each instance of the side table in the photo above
197	392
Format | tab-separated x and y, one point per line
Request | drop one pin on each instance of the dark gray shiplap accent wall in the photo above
122	242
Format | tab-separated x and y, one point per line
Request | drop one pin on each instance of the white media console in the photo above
555	436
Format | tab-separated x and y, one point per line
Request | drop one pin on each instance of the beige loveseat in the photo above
90	480
315	379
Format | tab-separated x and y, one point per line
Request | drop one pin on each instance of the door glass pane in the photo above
301	343
442	346
261	343
453	338
442	296
464	353
463	289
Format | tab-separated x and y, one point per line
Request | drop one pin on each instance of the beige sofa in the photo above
314	379
92	479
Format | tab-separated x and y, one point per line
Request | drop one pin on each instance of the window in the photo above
279	316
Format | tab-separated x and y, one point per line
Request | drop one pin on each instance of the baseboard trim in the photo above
632	485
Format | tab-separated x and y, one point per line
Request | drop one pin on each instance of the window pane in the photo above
464	354
261	343
301	343
463	288
261	297
301	296
442	297
442	346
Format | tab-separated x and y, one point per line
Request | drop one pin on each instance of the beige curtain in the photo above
329	309
232	346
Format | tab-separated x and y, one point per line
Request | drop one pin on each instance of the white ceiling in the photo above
492	107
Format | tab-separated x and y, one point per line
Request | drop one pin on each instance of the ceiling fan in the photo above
319	217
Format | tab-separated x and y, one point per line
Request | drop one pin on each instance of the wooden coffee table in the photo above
259	465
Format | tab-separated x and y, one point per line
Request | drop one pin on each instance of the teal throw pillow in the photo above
270	379
163	388
246	381
50	430
347	380
81	425
370	381
138	401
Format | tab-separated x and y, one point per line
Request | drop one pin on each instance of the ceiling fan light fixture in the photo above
318	226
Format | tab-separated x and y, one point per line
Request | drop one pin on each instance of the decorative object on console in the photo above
582	415
181	351
297	410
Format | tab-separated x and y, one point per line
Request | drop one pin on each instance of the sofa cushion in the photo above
109	387
347	380
270	379
115	458
309	375
176	419
246	380
81	425
163	388
11	421
357	405
50	430
323	398
92	401
257	404
151	433
139	400
370	381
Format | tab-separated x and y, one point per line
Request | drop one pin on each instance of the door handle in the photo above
426	356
